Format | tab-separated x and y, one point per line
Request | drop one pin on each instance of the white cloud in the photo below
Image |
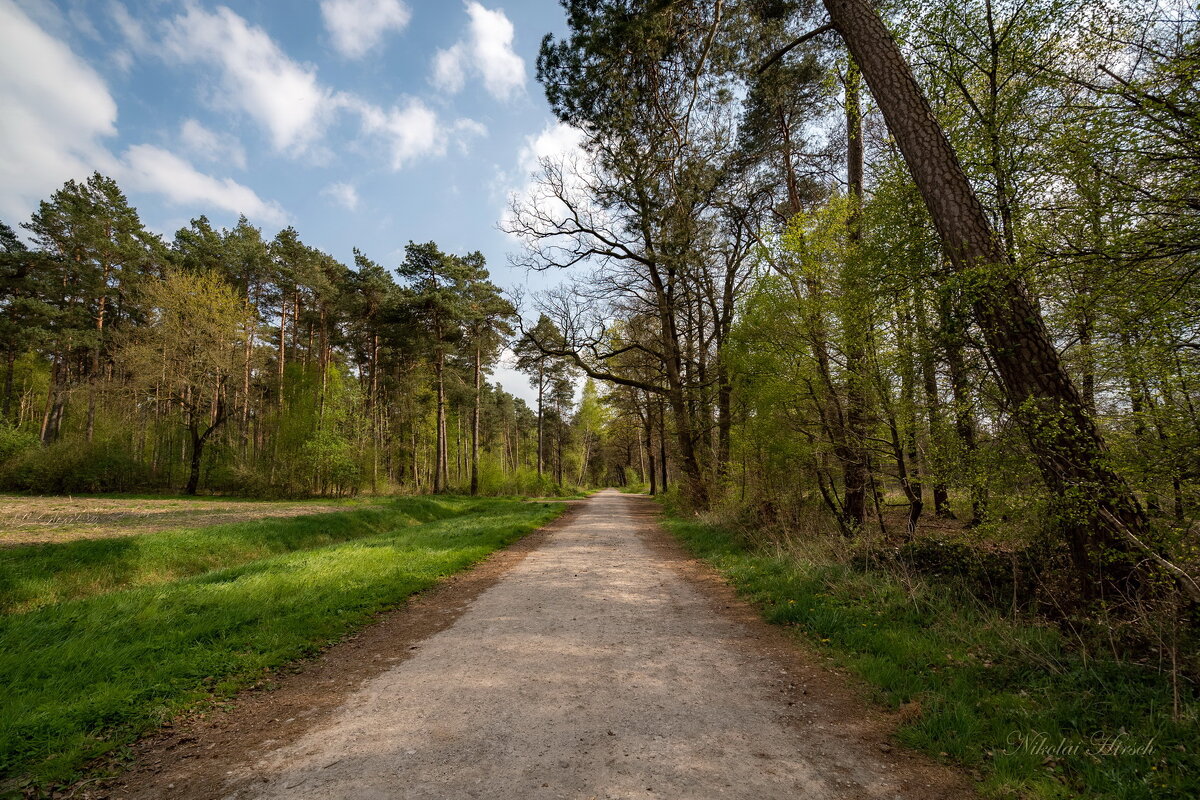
256	76
358	26
209	145
412	131
486	51
344	194
503	70
449	69
466	129
131	29
557	144
152	169
555	141
55	114
55	118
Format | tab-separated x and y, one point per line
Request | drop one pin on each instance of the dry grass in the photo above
35	520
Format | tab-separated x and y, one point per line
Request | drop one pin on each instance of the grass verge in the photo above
86	675
39	575
1009	700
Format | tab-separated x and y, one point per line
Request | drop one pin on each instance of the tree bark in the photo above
540	421
441	470
475	422
933	407
193	483
662	446
9	363
853	445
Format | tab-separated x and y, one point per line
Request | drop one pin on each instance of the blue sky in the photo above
361	122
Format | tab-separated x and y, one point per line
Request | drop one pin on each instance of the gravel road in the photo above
594	668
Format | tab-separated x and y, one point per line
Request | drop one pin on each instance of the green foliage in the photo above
71	467
15	442
239	365
133	648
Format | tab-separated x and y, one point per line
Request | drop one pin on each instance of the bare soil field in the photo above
35	520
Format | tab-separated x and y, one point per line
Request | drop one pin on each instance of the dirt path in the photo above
605	664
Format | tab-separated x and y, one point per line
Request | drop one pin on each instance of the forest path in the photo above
605	664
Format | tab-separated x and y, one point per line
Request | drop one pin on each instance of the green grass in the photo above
190	621
983	683
38	575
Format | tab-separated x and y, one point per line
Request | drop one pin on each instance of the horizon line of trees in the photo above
227	361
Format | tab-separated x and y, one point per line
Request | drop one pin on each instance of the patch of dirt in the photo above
38	520
192	757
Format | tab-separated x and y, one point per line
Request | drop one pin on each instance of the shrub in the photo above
15	441
69	467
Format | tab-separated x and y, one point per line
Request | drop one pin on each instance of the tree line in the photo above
886	272
227	361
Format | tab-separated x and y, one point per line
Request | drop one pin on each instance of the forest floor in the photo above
593	659
37	519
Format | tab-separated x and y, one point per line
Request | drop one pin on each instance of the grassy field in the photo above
1008	700
103	639
36	519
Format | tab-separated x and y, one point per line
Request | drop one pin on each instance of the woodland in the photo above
912	283
823	268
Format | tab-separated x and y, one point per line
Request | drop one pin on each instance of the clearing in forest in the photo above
36	519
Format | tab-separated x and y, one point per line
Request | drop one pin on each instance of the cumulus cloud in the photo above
344	194
358	26
209	145
449	69
558	145
152	169
257	77
54	123
286	98
555	141
412	130
55	114
486	51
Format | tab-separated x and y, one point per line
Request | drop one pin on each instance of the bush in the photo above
73	467
15	441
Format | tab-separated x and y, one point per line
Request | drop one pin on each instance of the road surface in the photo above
594	668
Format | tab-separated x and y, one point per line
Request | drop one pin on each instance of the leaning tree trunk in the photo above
1067	447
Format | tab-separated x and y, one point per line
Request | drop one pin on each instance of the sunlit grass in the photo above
87	674
974	685
32	576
